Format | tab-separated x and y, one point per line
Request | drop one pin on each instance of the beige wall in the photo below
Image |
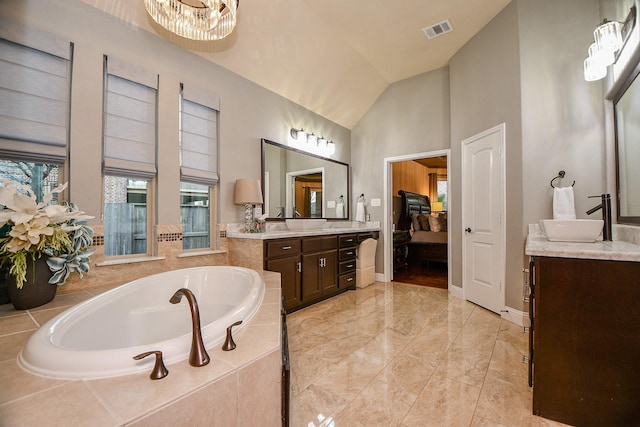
485	92
248	111
411	116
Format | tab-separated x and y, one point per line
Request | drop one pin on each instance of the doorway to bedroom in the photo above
418	195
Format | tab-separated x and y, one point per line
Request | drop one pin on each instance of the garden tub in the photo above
99	337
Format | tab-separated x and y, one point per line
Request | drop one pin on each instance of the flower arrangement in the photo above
29	229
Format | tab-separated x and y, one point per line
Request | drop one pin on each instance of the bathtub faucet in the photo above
198	355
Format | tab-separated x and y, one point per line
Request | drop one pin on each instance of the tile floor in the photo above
394	354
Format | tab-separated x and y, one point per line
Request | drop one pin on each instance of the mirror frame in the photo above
633	76
286	147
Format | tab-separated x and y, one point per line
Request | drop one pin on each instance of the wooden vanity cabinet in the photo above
319	267
314	268
586	341
347	253
285	257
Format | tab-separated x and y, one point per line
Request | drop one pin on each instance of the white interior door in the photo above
483	189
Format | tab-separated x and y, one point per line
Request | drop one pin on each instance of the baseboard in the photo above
520	318
379	277
455	291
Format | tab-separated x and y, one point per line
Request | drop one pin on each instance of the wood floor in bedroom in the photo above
432	274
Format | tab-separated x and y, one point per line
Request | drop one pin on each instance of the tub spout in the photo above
198	355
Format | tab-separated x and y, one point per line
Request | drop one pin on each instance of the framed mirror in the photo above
296	184
627	131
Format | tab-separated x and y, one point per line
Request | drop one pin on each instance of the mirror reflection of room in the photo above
297	184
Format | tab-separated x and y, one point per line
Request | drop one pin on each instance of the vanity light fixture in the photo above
609	38
205	20
308	141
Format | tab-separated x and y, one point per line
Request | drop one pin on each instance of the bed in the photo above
428	232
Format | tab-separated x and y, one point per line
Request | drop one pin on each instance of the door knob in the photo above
468	229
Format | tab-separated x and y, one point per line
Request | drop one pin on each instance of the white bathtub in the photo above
99	337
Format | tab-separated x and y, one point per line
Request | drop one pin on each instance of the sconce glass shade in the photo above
297	134
608	36
593	71
331	148
312	139
602	58
322	144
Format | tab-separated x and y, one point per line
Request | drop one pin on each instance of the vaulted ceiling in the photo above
334	57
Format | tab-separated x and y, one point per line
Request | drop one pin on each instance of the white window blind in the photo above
34	107
130	110
198	136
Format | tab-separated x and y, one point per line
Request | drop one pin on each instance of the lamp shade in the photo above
436	206
247	191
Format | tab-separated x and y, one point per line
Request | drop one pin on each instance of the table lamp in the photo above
248	193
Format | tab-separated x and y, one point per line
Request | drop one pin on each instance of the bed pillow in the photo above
434	224
442	219
415	222
424	222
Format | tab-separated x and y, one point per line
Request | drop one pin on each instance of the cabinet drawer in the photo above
347	280
318	244
278	248
347	266
347	254
368	235
347	240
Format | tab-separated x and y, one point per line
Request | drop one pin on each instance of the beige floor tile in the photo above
10	345
21	322
16	383
406	355
443	402
43	316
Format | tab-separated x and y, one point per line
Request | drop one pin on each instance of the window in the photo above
198	165
129	157
442	191
34	112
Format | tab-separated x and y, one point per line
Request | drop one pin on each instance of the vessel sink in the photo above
305	224
571	230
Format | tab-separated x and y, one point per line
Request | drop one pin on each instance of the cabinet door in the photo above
329	272
290	278
311	285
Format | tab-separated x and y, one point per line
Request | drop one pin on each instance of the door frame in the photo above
387	226
503	201
290	190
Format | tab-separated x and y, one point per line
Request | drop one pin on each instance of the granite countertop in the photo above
280	230
617	250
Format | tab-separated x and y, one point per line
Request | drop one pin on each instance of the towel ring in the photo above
560	175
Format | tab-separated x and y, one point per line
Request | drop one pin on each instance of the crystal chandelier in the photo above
195	19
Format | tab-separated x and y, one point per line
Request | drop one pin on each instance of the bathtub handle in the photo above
159	370
229	344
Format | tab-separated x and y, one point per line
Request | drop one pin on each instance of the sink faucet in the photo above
606	215
198	355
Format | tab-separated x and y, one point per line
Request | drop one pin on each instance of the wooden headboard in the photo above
412	203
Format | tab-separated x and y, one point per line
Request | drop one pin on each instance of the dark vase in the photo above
36	290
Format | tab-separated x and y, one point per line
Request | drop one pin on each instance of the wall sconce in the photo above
331	148
609	38
248	193
312	139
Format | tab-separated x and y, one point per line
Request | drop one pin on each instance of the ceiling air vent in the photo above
438	29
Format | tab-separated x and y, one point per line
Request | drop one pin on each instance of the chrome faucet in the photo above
606	215
198	355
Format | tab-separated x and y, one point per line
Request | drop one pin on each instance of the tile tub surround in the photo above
624	247
402	355
237	388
